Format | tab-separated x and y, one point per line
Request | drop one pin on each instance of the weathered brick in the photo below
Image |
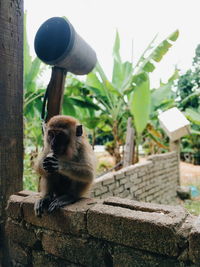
131	169
133	188
123	181
77	250
139	192
19	234
106	195
128	185
39	258
194	242
111	187
133	177
163	156
142	173
136	224
18	254
128	257
124	194
101	190
14	206
149	198
109	180
138	181
120	174
92	194
95	185
118	190
70	219
104	177
26	193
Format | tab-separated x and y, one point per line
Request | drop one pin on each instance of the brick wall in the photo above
113	232
154	180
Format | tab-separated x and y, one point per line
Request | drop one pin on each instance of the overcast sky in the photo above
138	20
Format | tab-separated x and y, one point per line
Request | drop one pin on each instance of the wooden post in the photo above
55	92
11	109
175	146
129	146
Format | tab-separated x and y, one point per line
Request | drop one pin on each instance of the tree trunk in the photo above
129	145
11	108
117	154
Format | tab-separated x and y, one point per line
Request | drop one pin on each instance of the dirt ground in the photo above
190	174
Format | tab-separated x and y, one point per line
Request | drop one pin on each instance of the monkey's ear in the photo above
79	130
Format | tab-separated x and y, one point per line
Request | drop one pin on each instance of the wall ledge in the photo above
108	231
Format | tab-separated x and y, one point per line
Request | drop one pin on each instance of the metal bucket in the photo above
57	43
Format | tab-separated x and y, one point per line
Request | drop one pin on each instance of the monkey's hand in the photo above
50	163
60	202
41	205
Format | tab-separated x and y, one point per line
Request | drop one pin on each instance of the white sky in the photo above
138	20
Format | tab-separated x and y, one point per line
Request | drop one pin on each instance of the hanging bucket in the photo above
58	44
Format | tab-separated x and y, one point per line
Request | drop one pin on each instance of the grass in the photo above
193	206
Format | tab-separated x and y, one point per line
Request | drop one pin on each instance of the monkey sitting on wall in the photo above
66	165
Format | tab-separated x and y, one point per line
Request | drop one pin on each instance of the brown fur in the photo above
76	165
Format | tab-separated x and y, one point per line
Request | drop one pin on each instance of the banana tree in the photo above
129	91
111	98
141	93
32	70
162	98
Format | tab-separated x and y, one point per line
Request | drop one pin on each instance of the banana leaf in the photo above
147	63
140	102
193	115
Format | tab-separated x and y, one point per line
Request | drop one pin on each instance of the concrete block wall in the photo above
114	232
154	180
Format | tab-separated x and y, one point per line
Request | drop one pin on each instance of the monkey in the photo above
66	165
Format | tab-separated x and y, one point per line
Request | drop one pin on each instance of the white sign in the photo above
174	123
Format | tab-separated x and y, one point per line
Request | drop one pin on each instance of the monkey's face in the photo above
58	141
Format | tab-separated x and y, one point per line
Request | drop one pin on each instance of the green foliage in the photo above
129	92
193	116
141	106
33	96
192	206
30	180
189	83
154	53
140	101
188	93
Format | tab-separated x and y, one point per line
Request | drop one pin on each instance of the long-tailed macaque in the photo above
66	165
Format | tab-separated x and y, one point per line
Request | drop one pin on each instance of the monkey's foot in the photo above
41	205
60	202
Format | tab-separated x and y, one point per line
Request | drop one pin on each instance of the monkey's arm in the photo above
77	171
45	186
38	164
82	172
